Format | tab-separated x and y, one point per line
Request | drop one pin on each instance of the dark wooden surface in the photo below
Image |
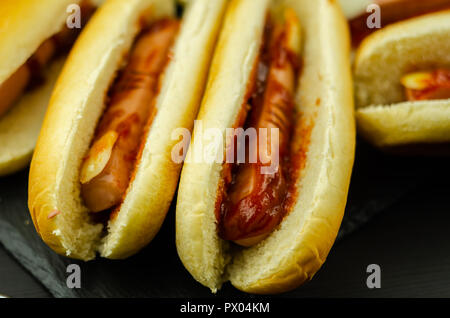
410	241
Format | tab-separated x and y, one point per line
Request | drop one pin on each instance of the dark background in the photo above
398	216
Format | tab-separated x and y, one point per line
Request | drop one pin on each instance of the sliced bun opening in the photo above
60	214
384	58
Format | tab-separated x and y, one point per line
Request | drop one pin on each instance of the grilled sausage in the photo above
427	85
15	85
108	167
254	205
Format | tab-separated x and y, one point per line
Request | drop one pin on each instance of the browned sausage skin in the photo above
254	203
15	85
107	169
427	85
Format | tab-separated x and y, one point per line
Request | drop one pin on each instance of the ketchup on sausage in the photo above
427	85
253	206
104	182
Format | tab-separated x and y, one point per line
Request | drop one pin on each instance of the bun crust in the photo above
75	109
383	116
294	252
406	123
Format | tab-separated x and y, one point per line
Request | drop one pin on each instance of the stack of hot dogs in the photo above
271	78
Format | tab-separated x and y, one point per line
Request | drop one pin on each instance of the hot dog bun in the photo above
25	25
383	115
75	109
295	251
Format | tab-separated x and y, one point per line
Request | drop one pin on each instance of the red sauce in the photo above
244	215
254	85
299	148
438	87
124	128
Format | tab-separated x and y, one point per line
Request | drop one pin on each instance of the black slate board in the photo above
379	180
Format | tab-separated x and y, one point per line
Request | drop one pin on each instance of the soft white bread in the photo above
354	8
384	57
296	250
404	123
24	25
75	109
388	54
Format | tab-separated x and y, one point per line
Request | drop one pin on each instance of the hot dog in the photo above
270	232
406	104
131	104
27	77
255	201
102	177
